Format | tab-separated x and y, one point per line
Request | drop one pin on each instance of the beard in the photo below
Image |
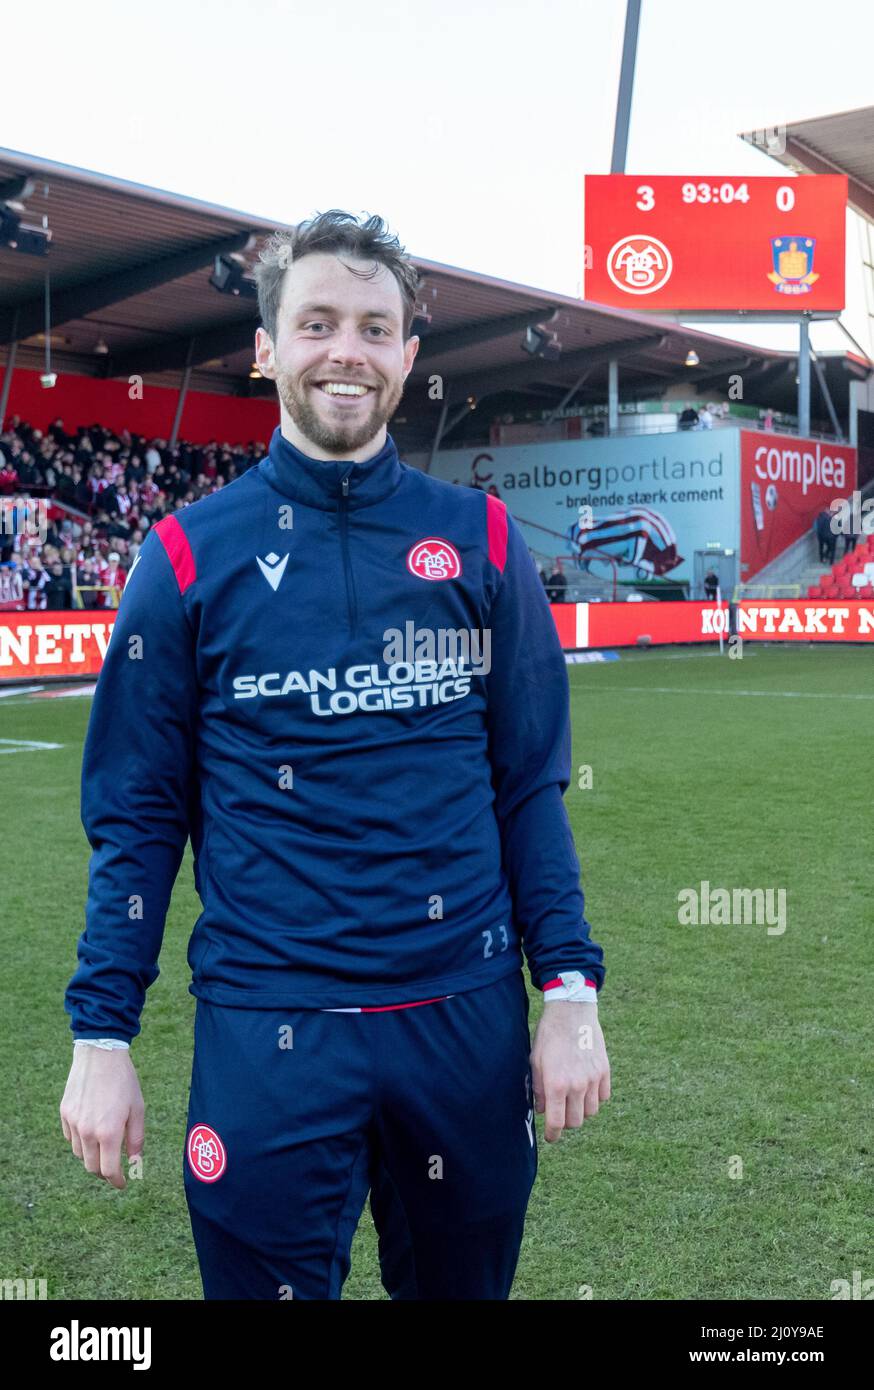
336	437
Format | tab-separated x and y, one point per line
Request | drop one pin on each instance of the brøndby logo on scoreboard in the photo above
793	271
639	264
434	558
207	1157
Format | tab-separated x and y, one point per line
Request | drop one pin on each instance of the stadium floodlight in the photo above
22	236
229	277
539	342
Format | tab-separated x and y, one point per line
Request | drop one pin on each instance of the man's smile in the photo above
344	393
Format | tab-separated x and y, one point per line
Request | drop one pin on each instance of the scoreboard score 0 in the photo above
708	244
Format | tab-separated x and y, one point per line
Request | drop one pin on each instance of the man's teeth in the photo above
342	388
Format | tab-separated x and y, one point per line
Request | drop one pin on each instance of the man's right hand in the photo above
102	1106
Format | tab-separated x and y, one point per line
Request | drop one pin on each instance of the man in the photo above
825	536
556	584
378	832
58	588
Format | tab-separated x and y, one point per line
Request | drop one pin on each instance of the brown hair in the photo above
334	232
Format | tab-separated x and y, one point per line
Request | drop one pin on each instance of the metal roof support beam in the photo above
454	339
803	377
438	433
565	400
612	396
81	300
518	374
457	418
9	369
221	341
829	403
180	404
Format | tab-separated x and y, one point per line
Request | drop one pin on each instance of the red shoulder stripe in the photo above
496	513
178	548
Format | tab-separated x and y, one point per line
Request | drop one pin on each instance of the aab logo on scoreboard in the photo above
639	264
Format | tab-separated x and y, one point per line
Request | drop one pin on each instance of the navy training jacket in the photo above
375	811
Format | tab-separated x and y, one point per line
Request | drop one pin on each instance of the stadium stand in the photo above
850	577
76	506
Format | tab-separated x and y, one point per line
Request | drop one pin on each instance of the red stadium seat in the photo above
814	591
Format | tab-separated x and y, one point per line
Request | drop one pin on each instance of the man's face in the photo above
336	327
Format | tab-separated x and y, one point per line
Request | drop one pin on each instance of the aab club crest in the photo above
639	264
434	558
207	1158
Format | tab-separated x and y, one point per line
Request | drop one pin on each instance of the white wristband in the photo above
585	997
570	984
107	1044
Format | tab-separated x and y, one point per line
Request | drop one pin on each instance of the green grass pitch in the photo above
726	1043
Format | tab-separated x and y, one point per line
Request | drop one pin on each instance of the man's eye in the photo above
376	328
316	325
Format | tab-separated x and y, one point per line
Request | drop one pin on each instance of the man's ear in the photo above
411	347
265	354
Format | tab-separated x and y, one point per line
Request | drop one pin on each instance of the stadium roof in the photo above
838	144
131	294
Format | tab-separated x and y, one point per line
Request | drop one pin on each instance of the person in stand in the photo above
711	584
556	585
823	530
58	589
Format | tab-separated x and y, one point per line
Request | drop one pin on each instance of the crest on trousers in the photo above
434	558
207	1156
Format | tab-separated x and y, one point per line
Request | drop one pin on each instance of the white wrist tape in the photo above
106	1044
570	984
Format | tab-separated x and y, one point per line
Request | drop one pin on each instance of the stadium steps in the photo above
838	581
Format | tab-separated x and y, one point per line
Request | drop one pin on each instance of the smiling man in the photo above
379	839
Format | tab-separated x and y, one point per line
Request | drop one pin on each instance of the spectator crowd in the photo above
104	491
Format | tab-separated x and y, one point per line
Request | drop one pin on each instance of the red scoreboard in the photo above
713	243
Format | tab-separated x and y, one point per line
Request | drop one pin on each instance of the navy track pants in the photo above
296	1114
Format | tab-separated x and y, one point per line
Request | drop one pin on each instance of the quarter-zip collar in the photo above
319	482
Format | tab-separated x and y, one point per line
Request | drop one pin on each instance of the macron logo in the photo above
272	568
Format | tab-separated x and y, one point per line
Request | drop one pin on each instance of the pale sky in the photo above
468	124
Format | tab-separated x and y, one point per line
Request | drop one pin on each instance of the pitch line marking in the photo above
682	690
25	745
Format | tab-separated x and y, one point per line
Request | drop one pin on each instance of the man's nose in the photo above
347	346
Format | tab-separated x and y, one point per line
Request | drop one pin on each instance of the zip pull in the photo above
345	483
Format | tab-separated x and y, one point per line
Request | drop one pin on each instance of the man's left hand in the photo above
569	1066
